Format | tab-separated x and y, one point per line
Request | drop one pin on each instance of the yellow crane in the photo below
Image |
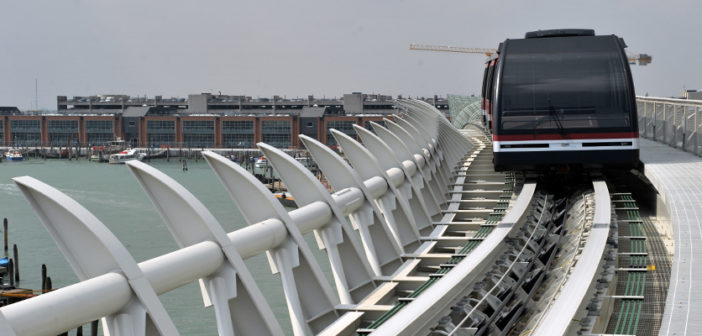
487	51
641	59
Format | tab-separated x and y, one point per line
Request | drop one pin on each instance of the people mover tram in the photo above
561	98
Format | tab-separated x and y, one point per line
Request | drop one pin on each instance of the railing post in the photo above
684	126
665	124
682	134
651	120
646	118
697	110
654	121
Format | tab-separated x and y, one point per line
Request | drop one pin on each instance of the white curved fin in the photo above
190	222
92	250
400	220
299	271
353	277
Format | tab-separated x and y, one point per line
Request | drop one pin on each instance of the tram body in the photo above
561	97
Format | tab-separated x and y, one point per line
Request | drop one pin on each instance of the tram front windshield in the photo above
564	84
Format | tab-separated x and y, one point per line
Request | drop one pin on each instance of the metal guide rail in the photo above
420	315
468	219
579	293
572	231
499	296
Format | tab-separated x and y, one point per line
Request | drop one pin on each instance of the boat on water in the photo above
97	158
307	162
14	155
126	155
159	154
286	199
261	163
115	146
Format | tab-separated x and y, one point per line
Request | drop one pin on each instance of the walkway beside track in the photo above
677	176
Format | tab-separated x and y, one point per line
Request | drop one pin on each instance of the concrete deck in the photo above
677	176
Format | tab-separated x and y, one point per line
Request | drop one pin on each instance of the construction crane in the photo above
642	59
488	52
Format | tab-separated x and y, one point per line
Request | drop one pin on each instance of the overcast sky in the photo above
296	48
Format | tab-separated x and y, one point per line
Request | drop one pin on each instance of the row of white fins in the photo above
395	184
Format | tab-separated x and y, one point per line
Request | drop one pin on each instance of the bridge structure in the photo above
421	235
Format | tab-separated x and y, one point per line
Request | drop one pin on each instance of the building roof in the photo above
312	111
9	110
135	111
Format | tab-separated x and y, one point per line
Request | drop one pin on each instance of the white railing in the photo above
675	122
395	183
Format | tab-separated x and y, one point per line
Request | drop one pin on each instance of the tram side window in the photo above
485	73
490	77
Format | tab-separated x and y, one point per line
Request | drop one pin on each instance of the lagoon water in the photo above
114	196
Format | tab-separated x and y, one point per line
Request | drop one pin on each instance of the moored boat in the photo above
162	153
262	162
286	199
126	155
14	155
307	162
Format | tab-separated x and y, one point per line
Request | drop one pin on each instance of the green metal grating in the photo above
627	312
492	219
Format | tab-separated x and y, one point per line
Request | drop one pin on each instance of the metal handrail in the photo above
375	194
671	121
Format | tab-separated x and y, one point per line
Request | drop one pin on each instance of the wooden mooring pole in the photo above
4	227
11	272
15	255
43	278
94	328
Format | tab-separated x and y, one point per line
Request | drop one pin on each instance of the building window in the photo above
62	132
198	140
99	138
25	132
159	140
63	126
343	126
198	126
276	133
238	140
198	133
99	126
238	133
160	126
99	132
237	127
160	133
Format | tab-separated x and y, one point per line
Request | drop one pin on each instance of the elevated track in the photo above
421	235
